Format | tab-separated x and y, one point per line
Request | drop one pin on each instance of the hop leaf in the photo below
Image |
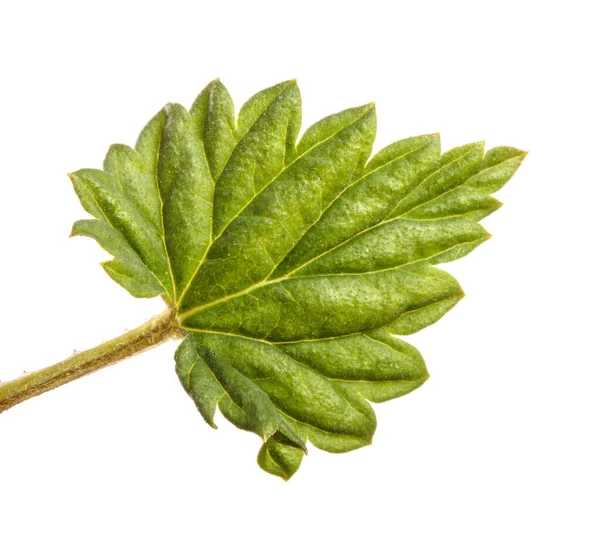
292	267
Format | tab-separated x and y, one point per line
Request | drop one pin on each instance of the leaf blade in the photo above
213	120
257	230
212	382
331	305
126	268
367	201
111	205
267	122
186	190
292	268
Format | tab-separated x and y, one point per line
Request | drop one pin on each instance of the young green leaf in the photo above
290	267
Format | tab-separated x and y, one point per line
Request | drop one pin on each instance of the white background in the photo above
503	437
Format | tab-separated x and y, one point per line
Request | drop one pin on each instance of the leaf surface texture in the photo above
293	263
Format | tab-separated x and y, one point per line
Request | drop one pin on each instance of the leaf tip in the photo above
522	155
214	85
289	86
368	111
433	139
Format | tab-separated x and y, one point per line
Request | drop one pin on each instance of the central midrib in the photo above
265	283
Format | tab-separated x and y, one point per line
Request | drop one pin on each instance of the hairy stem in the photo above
156	331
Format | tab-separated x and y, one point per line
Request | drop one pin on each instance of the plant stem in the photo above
156	331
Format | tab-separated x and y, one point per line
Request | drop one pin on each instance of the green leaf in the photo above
157	197
319	389
267	227
127	268
279	459
210	380
327	306
214	123
292	266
